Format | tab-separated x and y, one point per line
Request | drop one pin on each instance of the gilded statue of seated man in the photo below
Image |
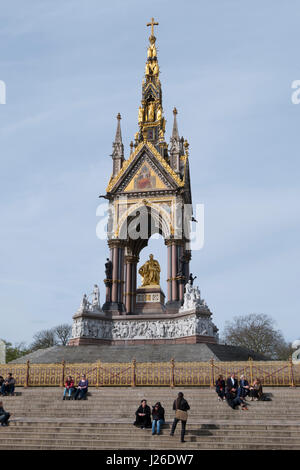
150	272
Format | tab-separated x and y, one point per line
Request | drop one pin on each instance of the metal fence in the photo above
153	374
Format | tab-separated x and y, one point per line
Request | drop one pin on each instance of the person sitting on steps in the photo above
244	388
256	391
232	383
82	388
4	416
143	415
220	388
234	400
8	386
158	417
69	387
1	383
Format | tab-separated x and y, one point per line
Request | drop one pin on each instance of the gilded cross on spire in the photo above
152	24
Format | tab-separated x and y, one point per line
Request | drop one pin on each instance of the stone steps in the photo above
42	420
115	390
140	389
35	402
135	401
226	410
195	435
74	404
146	445
168	416
179	447
123	440
106	396
54	426
153	392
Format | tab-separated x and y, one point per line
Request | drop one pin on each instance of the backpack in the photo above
265	398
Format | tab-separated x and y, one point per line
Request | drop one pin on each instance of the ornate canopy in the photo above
149	192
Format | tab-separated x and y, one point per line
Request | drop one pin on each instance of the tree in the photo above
56	336
16	351
43	339
257	332
284	351
63	333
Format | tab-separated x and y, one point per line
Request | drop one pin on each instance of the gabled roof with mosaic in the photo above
129	165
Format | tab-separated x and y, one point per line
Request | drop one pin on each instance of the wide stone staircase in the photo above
42	420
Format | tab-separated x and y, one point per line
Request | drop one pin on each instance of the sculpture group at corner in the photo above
87	306
192	298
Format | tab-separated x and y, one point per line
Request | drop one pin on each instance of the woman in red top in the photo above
220	388
69	386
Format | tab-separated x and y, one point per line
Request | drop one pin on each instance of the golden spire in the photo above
152	68
150	114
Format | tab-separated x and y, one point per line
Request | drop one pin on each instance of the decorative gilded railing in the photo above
153	374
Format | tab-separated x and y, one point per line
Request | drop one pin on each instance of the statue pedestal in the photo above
150	323
182	328
150	299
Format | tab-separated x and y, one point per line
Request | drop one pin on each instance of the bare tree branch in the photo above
43	339
63	333
256	331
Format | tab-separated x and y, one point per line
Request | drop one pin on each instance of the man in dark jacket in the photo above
143	415
180	404
235	401
1	383
4	416
232	384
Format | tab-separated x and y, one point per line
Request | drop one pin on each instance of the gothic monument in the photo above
148	193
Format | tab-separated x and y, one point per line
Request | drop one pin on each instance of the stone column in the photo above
108	286
134	278
175	290
121	274
114	300
169	280
174	272
181	279
128	288
130	284
115	274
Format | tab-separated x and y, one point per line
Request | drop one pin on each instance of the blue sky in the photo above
69	68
